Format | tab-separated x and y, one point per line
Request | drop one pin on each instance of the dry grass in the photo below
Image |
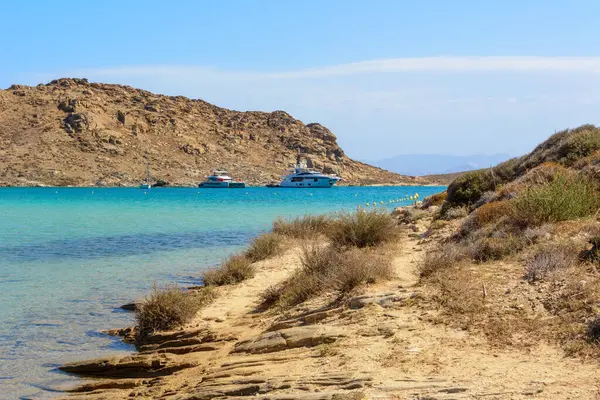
548	260
264	246
444	256
236	269
494	247
302	227
326	269
169	308
363	228
460	293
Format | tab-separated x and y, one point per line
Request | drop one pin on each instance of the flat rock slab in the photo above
137	366
383	301
301	336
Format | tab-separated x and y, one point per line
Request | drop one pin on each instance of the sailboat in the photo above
147	184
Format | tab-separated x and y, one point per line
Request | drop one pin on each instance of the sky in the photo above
387	77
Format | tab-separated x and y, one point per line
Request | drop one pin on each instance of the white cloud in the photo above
393	65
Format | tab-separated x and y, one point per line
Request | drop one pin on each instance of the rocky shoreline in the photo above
384	341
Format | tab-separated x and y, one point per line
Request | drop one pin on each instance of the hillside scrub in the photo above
362	228
566	196
566	148
235	269
169	308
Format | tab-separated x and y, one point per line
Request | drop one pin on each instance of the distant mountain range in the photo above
430	164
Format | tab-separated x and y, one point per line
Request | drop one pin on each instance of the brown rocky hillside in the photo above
72	132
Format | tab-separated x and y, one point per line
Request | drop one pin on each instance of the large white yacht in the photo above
220	179
303	177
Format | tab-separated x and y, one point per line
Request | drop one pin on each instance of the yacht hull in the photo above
222	185
308	183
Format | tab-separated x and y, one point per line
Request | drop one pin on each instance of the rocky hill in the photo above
72	132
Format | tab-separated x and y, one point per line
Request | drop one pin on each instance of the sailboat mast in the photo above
147	169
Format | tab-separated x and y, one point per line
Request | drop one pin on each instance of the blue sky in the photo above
387	77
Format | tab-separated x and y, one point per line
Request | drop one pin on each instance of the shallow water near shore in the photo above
69	256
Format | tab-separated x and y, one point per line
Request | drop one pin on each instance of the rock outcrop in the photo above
73	132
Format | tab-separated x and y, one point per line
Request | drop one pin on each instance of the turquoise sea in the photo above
70	256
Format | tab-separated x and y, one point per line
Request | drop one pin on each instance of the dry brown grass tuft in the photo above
326	269
363	228
169	308
302	227
548	260
264	246
445	256
236	269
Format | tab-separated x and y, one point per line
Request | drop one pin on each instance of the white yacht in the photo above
303	177
220	179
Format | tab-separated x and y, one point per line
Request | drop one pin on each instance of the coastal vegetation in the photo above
168	308
328	269
235	269
531	219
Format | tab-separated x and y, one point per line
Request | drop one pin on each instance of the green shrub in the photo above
363	228
169	308
469	188
236	269
264	246
302	227
568	196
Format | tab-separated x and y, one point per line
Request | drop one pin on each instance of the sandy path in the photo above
388	350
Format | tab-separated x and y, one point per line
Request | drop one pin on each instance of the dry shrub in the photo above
434	200
168	308
408	215
492	212
438	224
359	267
326	269
567	196
264	246
236	269
302	227
454	212
363	228
549	260
494	247
443	257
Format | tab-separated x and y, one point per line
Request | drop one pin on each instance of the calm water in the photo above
69	256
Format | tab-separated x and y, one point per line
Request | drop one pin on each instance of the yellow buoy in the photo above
310	194
410	198
367	205
144	192
374	203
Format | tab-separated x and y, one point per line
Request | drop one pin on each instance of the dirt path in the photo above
380	344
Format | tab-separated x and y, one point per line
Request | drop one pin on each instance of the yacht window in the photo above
316	180
297	179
